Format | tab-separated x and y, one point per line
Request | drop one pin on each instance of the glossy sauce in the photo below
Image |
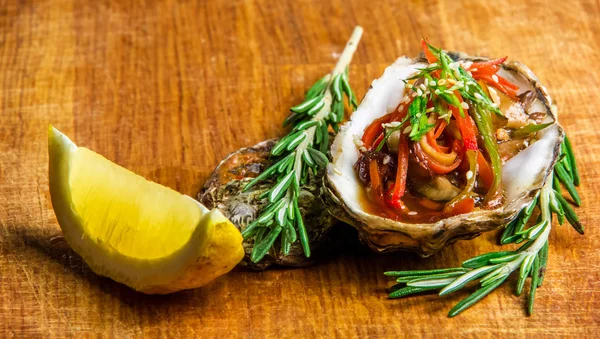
371	204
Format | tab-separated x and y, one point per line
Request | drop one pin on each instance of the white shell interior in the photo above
519	174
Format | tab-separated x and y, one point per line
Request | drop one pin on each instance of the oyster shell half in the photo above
224	190
522	175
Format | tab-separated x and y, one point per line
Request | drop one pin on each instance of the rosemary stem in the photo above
348	52
340	67
541	240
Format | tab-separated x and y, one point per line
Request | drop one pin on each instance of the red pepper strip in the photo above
485	171
442	169
488	71
502	81
439	129
437	152
487	65
502	85
430	57
488	79
375	178
464	206
373	131
400	184
466	125
431	140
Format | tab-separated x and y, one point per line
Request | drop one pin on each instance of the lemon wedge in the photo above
139	233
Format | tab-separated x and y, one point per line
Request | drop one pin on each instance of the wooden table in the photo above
169	88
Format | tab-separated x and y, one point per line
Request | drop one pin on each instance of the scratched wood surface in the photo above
168	88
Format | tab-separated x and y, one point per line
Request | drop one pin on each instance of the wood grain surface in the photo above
168	88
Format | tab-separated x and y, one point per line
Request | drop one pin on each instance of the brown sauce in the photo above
415	212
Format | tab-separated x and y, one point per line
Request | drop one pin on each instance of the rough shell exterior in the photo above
523	175
223	190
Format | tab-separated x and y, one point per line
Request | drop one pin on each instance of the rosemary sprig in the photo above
303	150
492	269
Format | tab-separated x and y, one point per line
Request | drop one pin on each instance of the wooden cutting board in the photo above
168	88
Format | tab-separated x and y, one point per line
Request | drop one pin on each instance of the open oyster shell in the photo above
223	190
522	176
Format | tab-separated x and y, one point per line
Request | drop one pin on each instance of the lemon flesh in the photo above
134	231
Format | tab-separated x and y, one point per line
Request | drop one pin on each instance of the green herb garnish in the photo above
303	150
492	269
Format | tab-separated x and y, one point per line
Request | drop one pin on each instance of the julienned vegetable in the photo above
445	125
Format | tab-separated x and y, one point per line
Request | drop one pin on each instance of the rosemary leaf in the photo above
526	215
279	190
263	195
338	110
493	278
520	285
484	259
296	141
307	105
414	278
555	206
556	184
317	88
282	144
284	163
461	281
292	119
324	145
307	158
286	245
250	229
570	214
301	230
535	231
336	87
543	263
433	282
473	298
526	265
291	232
504	259
346	88
534	284
291	215
261	249
319	158
565	160
264	175
409	290
423	272
316	108
571	156
568	182
509	230
281	217
306	124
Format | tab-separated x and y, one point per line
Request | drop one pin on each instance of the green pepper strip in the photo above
484	124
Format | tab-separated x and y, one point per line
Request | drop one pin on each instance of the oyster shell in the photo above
223	190
522	176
